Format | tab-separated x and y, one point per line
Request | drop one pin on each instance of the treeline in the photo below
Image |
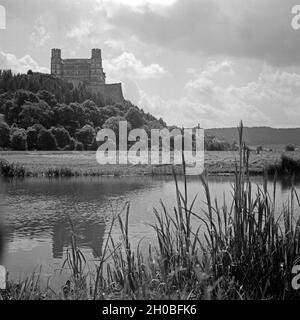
42	112
64	92
211	143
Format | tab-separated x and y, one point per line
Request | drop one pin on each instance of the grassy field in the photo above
74	163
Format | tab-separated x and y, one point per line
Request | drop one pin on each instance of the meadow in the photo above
83	163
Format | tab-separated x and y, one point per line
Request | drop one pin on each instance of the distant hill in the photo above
264	136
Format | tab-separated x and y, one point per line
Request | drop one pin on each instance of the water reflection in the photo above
35	212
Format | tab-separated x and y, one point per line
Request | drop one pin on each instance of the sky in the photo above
212	62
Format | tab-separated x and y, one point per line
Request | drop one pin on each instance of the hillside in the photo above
42	112
264	136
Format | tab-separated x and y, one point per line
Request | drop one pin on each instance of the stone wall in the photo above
111	91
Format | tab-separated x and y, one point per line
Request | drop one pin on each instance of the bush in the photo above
46	140
86	135
4	134
259	149
290	148
286	166
62	136
19	140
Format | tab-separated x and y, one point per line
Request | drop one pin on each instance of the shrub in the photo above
259	149
11	170
290	148
19	140
62	136
46	140
286	166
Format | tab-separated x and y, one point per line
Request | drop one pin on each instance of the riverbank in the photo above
76	163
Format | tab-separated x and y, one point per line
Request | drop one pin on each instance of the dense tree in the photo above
37	102
92	113
19	139
62	136
86	135
36	113
64	114
48	97
113	124
135	118
32	136
46	140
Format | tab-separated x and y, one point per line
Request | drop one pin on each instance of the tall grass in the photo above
247	250
251	243
11	169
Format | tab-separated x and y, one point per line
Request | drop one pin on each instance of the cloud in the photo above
128	66
22	65
115	44
40	36
256	29
139	5
272	99
81	31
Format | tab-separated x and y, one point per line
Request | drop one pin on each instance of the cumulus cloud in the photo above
272	99
128	66
21	65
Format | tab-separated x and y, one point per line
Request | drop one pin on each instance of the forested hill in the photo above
263	136
42	112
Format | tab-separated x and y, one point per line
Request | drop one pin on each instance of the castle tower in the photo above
87	71
97	74
56	62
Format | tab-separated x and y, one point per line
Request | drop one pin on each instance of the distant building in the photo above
88	71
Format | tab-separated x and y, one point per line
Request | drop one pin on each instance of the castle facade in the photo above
87	71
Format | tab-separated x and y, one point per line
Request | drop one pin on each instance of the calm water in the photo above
35	213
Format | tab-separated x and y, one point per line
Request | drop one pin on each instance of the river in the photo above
35	214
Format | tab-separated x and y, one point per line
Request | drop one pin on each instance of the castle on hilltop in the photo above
87	71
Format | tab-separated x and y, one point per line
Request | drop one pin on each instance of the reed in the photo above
249	242
11	169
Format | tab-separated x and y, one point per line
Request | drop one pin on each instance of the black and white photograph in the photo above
149	151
